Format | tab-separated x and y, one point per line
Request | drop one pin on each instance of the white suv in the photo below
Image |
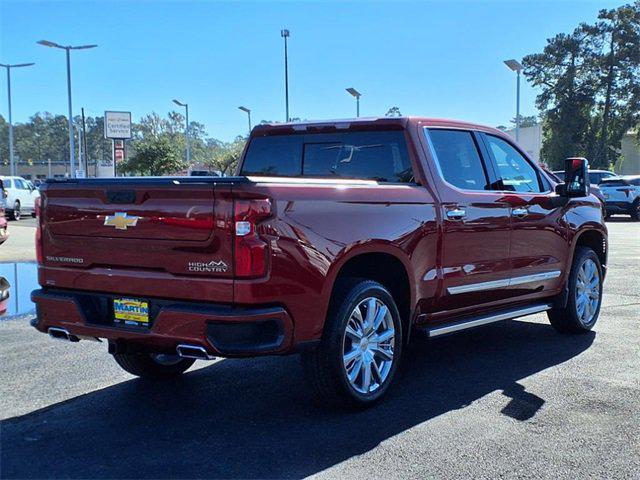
20	196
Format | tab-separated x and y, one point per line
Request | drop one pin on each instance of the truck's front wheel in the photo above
151	365
358	356
585	295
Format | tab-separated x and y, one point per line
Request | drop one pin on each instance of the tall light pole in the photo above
357	95
284	33
12	167
67	49
517	67
186	129
248	112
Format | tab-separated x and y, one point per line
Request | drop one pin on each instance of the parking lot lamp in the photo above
248	112
516	67
186	129
284	33
12	167
67	49
357	95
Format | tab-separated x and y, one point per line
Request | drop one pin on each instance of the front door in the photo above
538	236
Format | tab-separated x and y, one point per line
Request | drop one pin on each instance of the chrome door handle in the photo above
520	212
456	214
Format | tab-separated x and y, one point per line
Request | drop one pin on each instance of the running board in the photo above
488	318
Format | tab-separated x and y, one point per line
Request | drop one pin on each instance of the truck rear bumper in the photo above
221	330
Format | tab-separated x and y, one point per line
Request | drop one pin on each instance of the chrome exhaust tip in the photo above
61	334
193	351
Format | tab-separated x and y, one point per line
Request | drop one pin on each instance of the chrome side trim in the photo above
507	282
477	321
476	287
535	278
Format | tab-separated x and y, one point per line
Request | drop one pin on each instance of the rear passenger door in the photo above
475	266
538	244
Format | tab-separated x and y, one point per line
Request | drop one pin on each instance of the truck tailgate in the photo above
171	225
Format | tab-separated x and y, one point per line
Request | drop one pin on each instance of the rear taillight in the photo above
38	208
250	250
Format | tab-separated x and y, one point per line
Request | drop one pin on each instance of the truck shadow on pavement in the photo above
254	419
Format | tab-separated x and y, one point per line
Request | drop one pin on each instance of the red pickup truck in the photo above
335	240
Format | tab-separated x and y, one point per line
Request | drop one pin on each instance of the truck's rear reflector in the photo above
250	249
38	211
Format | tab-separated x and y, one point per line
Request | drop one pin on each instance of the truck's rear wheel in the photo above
152	365
585	295
359	354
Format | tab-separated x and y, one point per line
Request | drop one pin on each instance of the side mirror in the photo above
576	177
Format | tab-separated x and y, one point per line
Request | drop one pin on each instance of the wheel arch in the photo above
387	265
595	239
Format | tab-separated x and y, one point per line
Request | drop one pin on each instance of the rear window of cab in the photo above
381	156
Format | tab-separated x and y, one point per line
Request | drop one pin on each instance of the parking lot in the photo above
512	399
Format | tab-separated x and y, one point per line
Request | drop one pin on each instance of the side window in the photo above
517	174
8	183
21	184
458	159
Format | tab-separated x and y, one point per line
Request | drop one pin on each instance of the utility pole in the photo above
84	144
284	33
12	166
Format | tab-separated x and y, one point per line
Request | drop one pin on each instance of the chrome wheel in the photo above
368	345
587	291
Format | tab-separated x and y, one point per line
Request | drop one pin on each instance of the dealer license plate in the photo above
129	311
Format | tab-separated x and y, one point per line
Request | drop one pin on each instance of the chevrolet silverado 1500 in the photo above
335	240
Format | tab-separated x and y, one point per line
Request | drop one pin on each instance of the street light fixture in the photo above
67	49
248	112
186	130
357	95
12	167
516	67
284	33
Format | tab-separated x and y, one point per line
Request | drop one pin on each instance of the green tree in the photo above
393	112
155	157
525	121
590	82
567	98
227	156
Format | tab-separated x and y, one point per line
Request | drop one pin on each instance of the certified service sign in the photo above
117	124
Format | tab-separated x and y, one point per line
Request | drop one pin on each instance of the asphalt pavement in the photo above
512	399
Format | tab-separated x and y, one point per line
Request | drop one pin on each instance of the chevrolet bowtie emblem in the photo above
120	220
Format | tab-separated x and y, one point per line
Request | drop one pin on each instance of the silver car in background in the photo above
622	195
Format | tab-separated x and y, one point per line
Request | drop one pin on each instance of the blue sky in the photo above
438	59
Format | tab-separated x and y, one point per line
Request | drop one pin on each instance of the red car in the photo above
335	240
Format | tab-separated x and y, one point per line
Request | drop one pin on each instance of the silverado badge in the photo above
120	220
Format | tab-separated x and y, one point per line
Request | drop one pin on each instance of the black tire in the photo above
635	210
15	213
568	319
324	366
145	365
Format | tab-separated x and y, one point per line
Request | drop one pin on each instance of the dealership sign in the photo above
117	125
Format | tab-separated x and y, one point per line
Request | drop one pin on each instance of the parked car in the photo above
21	195
622	195
595	176
4	295
335	240
4	232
